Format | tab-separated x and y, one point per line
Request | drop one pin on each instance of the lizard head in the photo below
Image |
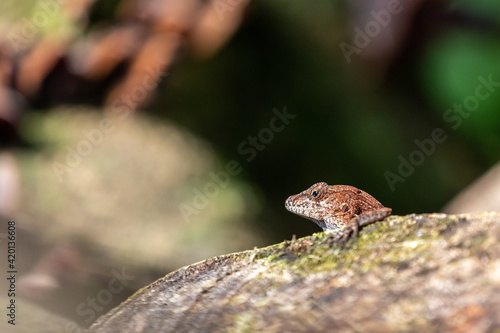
313	204
332	206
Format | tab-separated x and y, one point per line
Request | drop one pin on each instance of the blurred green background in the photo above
355	119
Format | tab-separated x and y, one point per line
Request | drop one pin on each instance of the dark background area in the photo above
352	122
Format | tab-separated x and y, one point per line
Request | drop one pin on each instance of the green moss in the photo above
317	253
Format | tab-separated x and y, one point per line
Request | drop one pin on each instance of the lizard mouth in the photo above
289	204
293	207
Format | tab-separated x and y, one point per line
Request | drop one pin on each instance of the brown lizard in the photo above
337	206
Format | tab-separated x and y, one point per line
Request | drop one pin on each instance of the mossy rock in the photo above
415	273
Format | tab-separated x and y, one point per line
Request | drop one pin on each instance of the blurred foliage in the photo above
124	192
450	72
485	9
45	18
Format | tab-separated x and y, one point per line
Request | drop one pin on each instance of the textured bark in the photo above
410	273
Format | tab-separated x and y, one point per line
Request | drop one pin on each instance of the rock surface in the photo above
415	273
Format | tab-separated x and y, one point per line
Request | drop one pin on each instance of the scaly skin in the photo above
337	206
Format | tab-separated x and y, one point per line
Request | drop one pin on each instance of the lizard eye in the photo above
315	194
